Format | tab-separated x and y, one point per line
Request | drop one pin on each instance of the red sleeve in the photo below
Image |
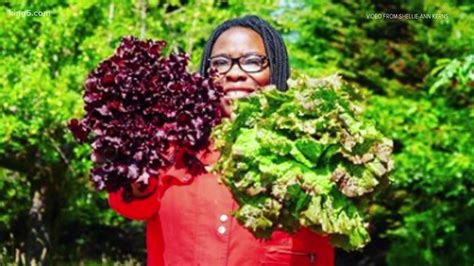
137	209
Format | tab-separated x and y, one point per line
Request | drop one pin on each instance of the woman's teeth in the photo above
236	94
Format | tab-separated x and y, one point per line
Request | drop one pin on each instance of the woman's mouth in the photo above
237	93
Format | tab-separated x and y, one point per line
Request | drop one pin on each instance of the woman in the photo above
191	224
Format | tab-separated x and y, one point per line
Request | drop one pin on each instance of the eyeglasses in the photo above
250	63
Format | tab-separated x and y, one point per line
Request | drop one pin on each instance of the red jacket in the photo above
191	224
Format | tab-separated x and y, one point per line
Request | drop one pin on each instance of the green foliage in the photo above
433	179
420	73
386	56
13	206
454	79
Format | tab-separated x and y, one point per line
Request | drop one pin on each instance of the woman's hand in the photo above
140	190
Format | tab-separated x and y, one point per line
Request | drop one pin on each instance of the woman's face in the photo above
234	43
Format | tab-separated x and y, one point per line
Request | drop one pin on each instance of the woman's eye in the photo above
253	61
219	62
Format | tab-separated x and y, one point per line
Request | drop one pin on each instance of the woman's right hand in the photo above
140	191
159	184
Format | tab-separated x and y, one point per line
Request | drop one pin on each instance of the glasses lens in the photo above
252	63
221	64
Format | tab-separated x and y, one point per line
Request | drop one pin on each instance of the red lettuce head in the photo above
143	112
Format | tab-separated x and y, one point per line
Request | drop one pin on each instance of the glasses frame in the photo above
236	60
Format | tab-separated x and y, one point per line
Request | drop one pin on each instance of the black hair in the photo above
274	46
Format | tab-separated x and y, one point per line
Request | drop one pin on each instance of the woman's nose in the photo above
235	74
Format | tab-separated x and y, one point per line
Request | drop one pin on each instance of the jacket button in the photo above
224	218
221	229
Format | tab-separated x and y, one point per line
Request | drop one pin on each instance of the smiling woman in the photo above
191	222
250	34
239	56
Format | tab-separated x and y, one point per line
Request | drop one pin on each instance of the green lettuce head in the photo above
303	157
